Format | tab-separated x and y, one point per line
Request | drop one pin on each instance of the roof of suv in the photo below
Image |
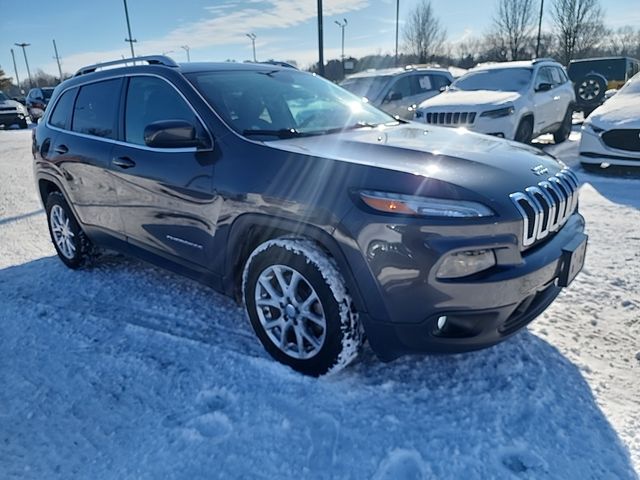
517	64
398	71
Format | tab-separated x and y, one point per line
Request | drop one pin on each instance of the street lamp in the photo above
15	69
342	27
24	52
252	36
539	27
131	40
397	24
186	48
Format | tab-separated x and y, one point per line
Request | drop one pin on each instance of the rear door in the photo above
85	119
165	196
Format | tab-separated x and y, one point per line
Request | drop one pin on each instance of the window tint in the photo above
62	110
424	84
555	76
151	99
403	86
96	109
544	76
439	81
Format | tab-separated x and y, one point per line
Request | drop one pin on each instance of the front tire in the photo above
71	244
299	307
565	129
524	131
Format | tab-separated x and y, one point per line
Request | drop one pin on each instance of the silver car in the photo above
398	91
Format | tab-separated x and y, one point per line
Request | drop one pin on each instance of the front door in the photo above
165	196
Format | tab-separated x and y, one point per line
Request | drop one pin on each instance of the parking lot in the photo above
126	371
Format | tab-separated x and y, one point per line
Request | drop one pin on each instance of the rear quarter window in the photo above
61	112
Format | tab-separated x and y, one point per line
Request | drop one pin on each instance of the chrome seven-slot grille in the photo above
450	118
545	207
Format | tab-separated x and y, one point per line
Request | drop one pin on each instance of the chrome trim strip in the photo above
127	144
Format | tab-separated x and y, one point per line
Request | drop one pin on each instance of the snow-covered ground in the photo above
126	371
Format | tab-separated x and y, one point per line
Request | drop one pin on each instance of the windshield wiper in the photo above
282	133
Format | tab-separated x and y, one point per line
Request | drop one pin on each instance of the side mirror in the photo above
393	96
544	87
171	134
444	88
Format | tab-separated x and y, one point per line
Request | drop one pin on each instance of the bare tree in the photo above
578	26
624	42
514	23
5	82
423	34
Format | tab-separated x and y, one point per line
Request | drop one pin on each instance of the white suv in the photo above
514	100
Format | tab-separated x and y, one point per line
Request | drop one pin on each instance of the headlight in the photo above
499	112
424	206
590	126
461	264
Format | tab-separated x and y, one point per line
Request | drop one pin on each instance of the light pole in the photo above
320	41
342	27
252	36
26	62
397	24
57	57
539	27
131	40
186	48
15	69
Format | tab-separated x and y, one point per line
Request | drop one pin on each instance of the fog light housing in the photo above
462	264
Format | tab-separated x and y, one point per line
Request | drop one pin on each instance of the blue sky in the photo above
91	31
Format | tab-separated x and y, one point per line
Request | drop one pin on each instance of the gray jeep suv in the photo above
329	219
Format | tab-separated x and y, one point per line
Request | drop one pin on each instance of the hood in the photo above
620	111
477	162
465	98
9	104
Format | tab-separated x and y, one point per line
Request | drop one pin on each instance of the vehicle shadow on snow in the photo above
517	410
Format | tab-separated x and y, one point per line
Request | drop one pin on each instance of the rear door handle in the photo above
61	149
124	162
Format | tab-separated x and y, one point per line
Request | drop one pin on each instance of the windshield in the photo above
368	87
3	97
497	79
283	103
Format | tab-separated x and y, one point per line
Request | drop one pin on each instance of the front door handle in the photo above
124	162
61	149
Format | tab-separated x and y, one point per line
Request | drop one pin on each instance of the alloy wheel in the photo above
290	312
62	234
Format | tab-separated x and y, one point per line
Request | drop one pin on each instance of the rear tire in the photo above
590	91
299	307
524	131
71	244
565	129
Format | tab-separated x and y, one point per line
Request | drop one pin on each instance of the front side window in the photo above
544	76
274	104
60	114
496	79
96	109
149	100
403	86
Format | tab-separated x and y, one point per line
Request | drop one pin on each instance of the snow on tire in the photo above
299	306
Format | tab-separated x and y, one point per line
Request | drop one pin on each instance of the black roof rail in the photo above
543	59
151	60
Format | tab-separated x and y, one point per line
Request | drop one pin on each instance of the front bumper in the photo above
594	151
8	119
404	299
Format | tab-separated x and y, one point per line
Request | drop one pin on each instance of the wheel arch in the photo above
250	230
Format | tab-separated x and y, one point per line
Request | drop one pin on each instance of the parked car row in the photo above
513	100
327	218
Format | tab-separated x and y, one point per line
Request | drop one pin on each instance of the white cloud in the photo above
223	24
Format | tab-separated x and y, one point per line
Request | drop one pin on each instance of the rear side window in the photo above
96	109
62	111
151	99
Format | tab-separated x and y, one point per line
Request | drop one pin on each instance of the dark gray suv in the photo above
329	219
